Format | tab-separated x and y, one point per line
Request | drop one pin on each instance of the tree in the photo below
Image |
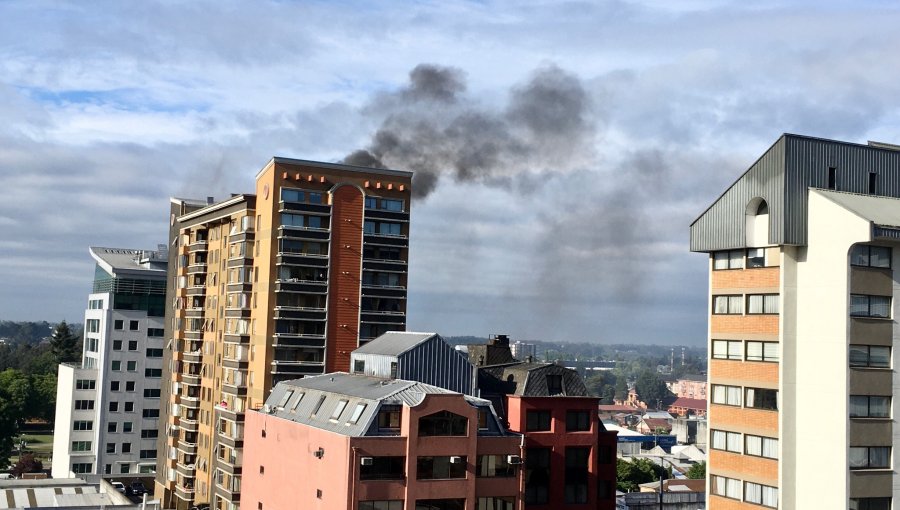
650	388
65	344
630	474
27	464
697	471
621	389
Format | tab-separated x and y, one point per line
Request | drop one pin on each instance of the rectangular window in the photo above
762	304
536	421
148	454
728	305
132	345
112	427
762	351
756	257
153	372
761	494
726	487
117	345
82	468
864	305
118	324
115	386
149	433
576	484
129	407
761	398
357	413
389	418
732	259
127	427
873	180
537	476
760	446
84	405
154	353
726	395
113	407
151	393
371	203
870	457
383	468
131	366
832	178
869	504
151	413
490	466
155	332
116	366
578	421
870	356
359	366
726	349
441	467
83	425
133	325
496	503
341	405
870	406
81	446
85	384
725	440
389	504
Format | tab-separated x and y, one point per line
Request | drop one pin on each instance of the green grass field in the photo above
40	444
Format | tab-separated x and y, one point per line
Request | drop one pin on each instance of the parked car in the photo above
119	486
137	488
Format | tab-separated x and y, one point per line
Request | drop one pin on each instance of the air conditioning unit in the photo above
366	461
513	460
455	459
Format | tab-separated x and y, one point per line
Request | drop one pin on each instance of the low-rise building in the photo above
689	386
683	406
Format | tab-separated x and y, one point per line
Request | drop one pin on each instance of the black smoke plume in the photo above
433	128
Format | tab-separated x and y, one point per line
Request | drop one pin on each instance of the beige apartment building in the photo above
803	253
268	287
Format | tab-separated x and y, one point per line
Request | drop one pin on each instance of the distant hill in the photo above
30	333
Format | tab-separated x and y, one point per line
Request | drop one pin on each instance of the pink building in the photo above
352	442
689	386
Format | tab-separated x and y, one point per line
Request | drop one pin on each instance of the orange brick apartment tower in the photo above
802	257
269	287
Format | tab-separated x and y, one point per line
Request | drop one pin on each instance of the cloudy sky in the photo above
574	223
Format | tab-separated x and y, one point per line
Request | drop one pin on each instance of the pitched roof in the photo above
394	343
530	380
657	423
693	377
689	403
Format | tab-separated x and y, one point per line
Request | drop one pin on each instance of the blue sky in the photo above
109	108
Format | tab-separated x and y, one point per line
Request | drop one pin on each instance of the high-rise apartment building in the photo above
803	255
107	406
269	287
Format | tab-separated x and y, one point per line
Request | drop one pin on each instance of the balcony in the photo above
194	335
193	356
301	259
298	340
198	246
247	235
370	290
187	448
193	313
304	286
190	379
185	470
188	425
286	312
228	414
234	389
304	207
396	240
397	266
312	234
241	261
185	492
196	290
376	317
381	214
196	268
298	367
237	338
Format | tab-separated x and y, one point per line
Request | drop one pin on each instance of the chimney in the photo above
210	200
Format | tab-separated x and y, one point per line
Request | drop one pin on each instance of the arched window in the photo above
757	223
443	423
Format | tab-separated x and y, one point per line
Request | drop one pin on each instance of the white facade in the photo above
521	350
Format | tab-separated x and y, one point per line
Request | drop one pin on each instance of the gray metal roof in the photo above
530	379
355	390
116	261
394	343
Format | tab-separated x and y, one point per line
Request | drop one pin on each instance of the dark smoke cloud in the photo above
433	128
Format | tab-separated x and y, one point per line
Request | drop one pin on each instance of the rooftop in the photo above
394	343
121	261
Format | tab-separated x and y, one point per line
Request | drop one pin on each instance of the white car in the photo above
119	486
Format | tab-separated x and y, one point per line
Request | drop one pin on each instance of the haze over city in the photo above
561	149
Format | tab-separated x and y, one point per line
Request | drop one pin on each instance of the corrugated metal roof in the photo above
394	343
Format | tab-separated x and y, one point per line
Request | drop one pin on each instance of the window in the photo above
724	440
489	466
733	259
863	305
761	398
359	366
297	401
537	476
148	454
151	413
871	356
357	413
95	304
870	256
129	385
293	195
756	257
869	504
484	418
870	457
154	353
762	351
81	446
870	406
371	203
153	372
85	384
84	405
124	468
115	386
151	393
536	421
433	468
728	305
341	405
119	324
155	332
285	397
113	407
133	325
762	304
126	447
389	418
383	468
110	447
392	205
83	425
132	345
440	504
392	504
129	407
759	446
832	178
443	423
496	503
318	405
726	395
81	468
760	494
117	345
149	433
576	485
116	366
578	421
91	344
112	427
873	180
727	487
127	427
726	349
554	384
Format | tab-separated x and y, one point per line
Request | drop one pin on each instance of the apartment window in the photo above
132	345
869	504
392	205
148	454
443	423
127	427
726	349
110	447
728	305
112	427
149	433
118	324
124	468
760	446
440	504
82	468
387	504
91	344
576	483
151	393
832	178
491	466
359	366
864	305
85	384
496	503
537	476
762	304
83	425
151	413
117	345
761	494
133	325
761	398
727	487
870	457
341	405
762	351
153	372
113	407
95	304
84	405
439	468
870	356
756	257
732	259
129	407
870	406
537	421
483	418
726	395
114	386
126	447
389	418
554	384
131	366
81	446
371	203
578	421
116	365
154	353
129	385
870	256
383	468
724	440
155	332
